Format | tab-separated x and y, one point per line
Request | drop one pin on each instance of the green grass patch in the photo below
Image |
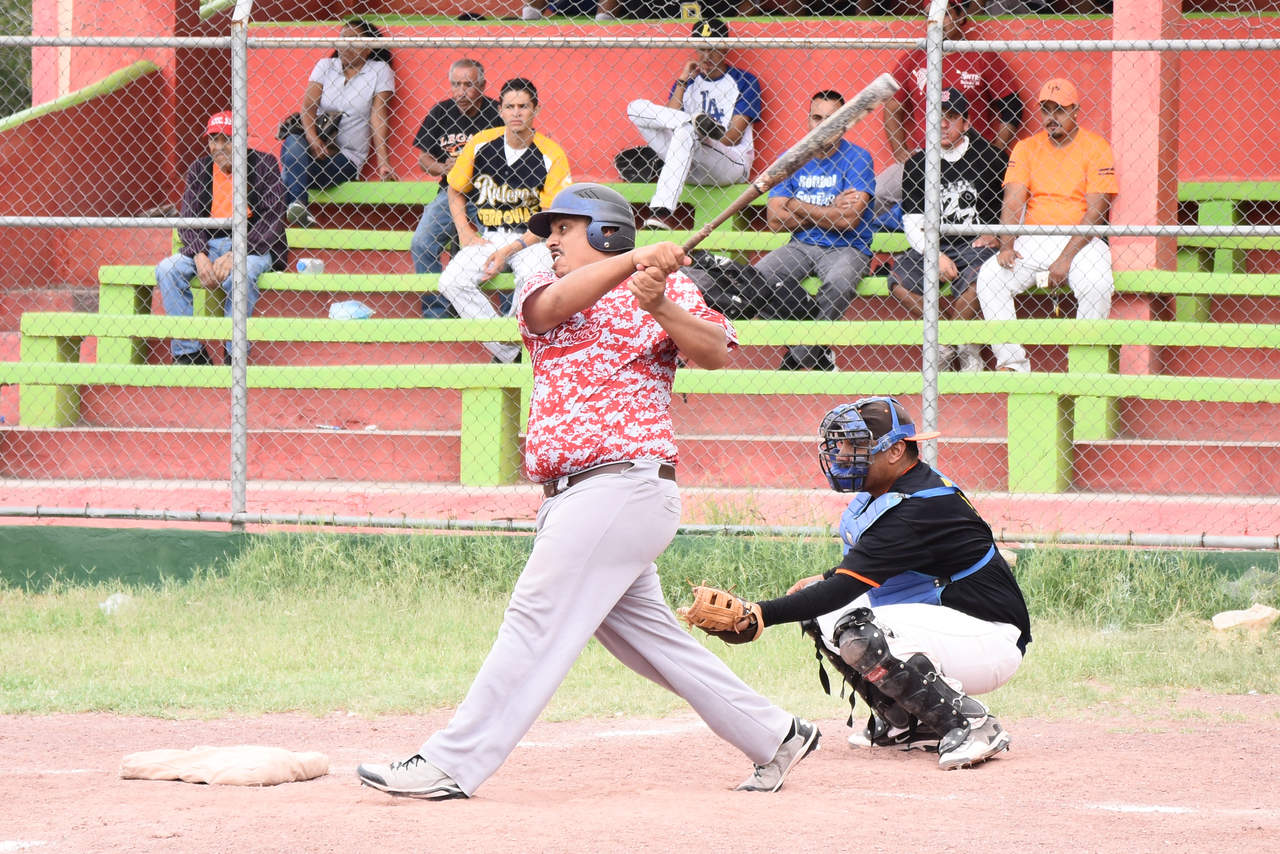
394	624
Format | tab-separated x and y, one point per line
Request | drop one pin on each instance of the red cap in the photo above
219	123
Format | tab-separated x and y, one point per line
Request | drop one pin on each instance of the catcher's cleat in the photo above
414	777
984	740
880	733
799	743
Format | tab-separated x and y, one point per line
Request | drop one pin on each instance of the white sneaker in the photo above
414	777
970	359
799	743
986	738
946	355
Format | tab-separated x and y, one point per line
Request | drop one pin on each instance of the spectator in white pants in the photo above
1064	175
509	173
703	132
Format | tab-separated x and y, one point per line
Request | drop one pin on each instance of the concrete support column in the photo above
1144	133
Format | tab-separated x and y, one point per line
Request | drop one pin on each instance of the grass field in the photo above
391	624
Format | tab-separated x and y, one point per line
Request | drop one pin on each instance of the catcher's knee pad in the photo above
913	686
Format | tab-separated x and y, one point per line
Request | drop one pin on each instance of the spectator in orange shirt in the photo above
206	253
1064	175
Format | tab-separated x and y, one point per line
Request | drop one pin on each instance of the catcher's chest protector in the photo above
864	511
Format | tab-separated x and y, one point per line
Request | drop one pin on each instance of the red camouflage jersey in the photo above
983	78
602	381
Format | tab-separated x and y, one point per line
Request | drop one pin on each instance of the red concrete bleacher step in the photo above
1161	467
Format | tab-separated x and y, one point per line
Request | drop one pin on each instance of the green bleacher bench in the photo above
126	289
377	193
720	240
1043	408
1218	203
705	201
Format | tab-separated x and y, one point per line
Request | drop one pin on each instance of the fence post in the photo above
239	253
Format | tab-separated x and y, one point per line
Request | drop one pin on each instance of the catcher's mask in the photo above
846	468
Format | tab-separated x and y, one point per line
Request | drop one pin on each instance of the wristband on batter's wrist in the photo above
680	82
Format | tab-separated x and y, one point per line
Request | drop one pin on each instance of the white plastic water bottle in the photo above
310	265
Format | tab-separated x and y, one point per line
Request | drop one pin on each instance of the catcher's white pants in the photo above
592	572
1090	280
461	279
973	655
684	158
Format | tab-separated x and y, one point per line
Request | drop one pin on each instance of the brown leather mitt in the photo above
720	613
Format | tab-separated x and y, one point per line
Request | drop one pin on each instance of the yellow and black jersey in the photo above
506	193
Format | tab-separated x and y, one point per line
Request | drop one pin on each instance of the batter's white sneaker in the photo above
415	777
799	743
986	738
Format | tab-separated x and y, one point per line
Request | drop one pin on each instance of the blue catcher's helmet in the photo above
872	424
602	206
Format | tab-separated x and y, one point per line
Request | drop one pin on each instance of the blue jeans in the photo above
174	274
436	232
302	172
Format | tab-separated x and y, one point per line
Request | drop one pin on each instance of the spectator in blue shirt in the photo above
824	205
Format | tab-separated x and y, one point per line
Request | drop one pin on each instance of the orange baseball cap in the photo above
219	123
1060	91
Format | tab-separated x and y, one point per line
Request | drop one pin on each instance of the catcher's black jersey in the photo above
940	536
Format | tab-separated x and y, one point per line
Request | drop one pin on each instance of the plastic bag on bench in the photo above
351	309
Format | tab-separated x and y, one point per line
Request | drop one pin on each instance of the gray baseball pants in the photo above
840	268
592	572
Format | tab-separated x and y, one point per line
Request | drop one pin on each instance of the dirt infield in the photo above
1200	778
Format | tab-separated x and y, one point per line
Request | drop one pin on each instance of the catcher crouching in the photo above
922	612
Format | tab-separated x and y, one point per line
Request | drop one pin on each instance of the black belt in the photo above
552	488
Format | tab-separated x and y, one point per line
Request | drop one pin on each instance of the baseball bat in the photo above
831	129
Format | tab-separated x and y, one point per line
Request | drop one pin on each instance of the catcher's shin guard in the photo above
893	716
912	685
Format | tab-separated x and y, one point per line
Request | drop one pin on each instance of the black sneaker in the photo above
707	128
199	357
808	359
880	733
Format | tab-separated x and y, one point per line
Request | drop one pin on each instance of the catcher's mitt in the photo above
720	613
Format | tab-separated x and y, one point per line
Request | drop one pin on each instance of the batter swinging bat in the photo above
832	128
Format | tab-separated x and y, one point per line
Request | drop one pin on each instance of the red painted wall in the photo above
126	152
96	159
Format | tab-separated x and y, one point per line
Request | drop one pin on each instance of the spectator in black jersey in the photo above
923	611
443	132
972	190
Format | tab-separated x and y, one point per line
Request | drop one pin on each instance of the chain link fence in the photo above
237	288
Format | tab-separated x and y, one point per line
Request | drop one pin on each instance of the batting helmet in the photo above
599	204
